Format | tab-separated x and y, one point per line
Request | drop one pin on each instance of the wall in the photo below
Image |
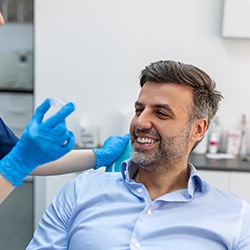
92	52
95	67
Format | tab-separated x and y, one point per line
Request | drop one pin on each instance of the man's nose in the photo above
144	121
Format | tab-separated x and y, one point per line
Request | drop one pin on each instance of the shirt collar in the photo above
195	182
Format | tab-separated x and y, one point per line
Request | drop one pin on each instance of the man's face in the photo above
1	19
160	129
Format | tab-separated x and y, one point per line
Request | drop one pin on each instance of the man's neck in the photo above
162	182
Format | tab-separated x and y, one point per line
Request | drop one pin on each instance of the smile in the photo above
145	140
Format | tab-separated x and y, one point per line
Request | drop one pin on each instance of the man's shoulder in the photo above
221	196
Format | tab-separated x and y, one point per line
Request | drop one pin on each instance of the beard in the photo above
171	150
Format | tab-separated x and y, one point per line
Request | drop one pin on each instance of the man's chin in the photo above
141	160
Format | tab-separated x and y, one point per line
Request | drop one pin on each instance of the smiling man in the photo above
158	201
162	137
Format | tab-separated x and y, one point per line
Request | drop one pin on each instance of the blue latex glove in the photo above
41	142
126	154
110	150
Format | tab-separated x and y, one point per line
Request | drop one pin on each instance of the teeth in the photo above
145	140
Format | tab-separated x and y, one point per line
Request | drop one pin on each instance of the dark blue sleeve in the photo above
7	139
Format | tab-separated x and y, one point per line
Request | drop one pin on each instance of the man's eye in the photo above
162	114
138	111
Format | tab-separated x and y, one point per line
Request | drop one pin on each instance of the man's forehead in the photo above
167	95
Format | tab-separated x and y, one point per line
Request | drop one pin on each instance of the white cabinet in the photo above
16	70
16	216
16	109
220	179
231	181
240	184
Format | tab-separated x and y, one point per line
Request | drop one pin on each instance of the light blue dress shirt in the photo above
110	211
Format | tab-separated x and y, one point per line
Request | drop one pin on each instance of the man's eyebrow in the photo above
138	103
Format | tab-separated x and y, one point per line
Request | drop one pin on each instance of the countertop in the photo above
200	161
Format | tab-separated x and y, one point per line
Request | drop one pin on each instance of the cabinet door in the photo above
16	110
16	218
219	179
240	184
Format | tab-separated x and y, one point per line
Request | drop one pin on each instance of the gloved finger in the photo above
70	143
63	138
66	144
59	134
59	130
56	135
41	110
60	115
126	137
116	141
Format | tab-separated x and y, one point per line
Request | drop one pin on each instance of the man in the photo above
159	201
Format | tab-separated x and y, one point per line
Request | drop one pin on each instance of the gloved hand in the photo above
41	142
110	150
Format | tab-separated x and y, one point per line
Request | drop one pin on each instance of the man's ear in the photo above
199	129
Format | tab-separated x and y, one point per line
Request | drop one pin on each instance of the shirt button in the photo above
149	212
139	190
137	245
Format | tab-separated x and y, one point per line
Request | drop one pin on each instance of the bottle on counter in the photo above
243	140
233	141
213	147
89	135
215	134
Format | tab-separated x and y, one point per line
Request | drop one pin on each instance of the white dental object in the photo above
54	101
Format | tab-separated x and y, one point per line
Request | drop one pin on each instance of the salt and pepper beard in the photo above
170	151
